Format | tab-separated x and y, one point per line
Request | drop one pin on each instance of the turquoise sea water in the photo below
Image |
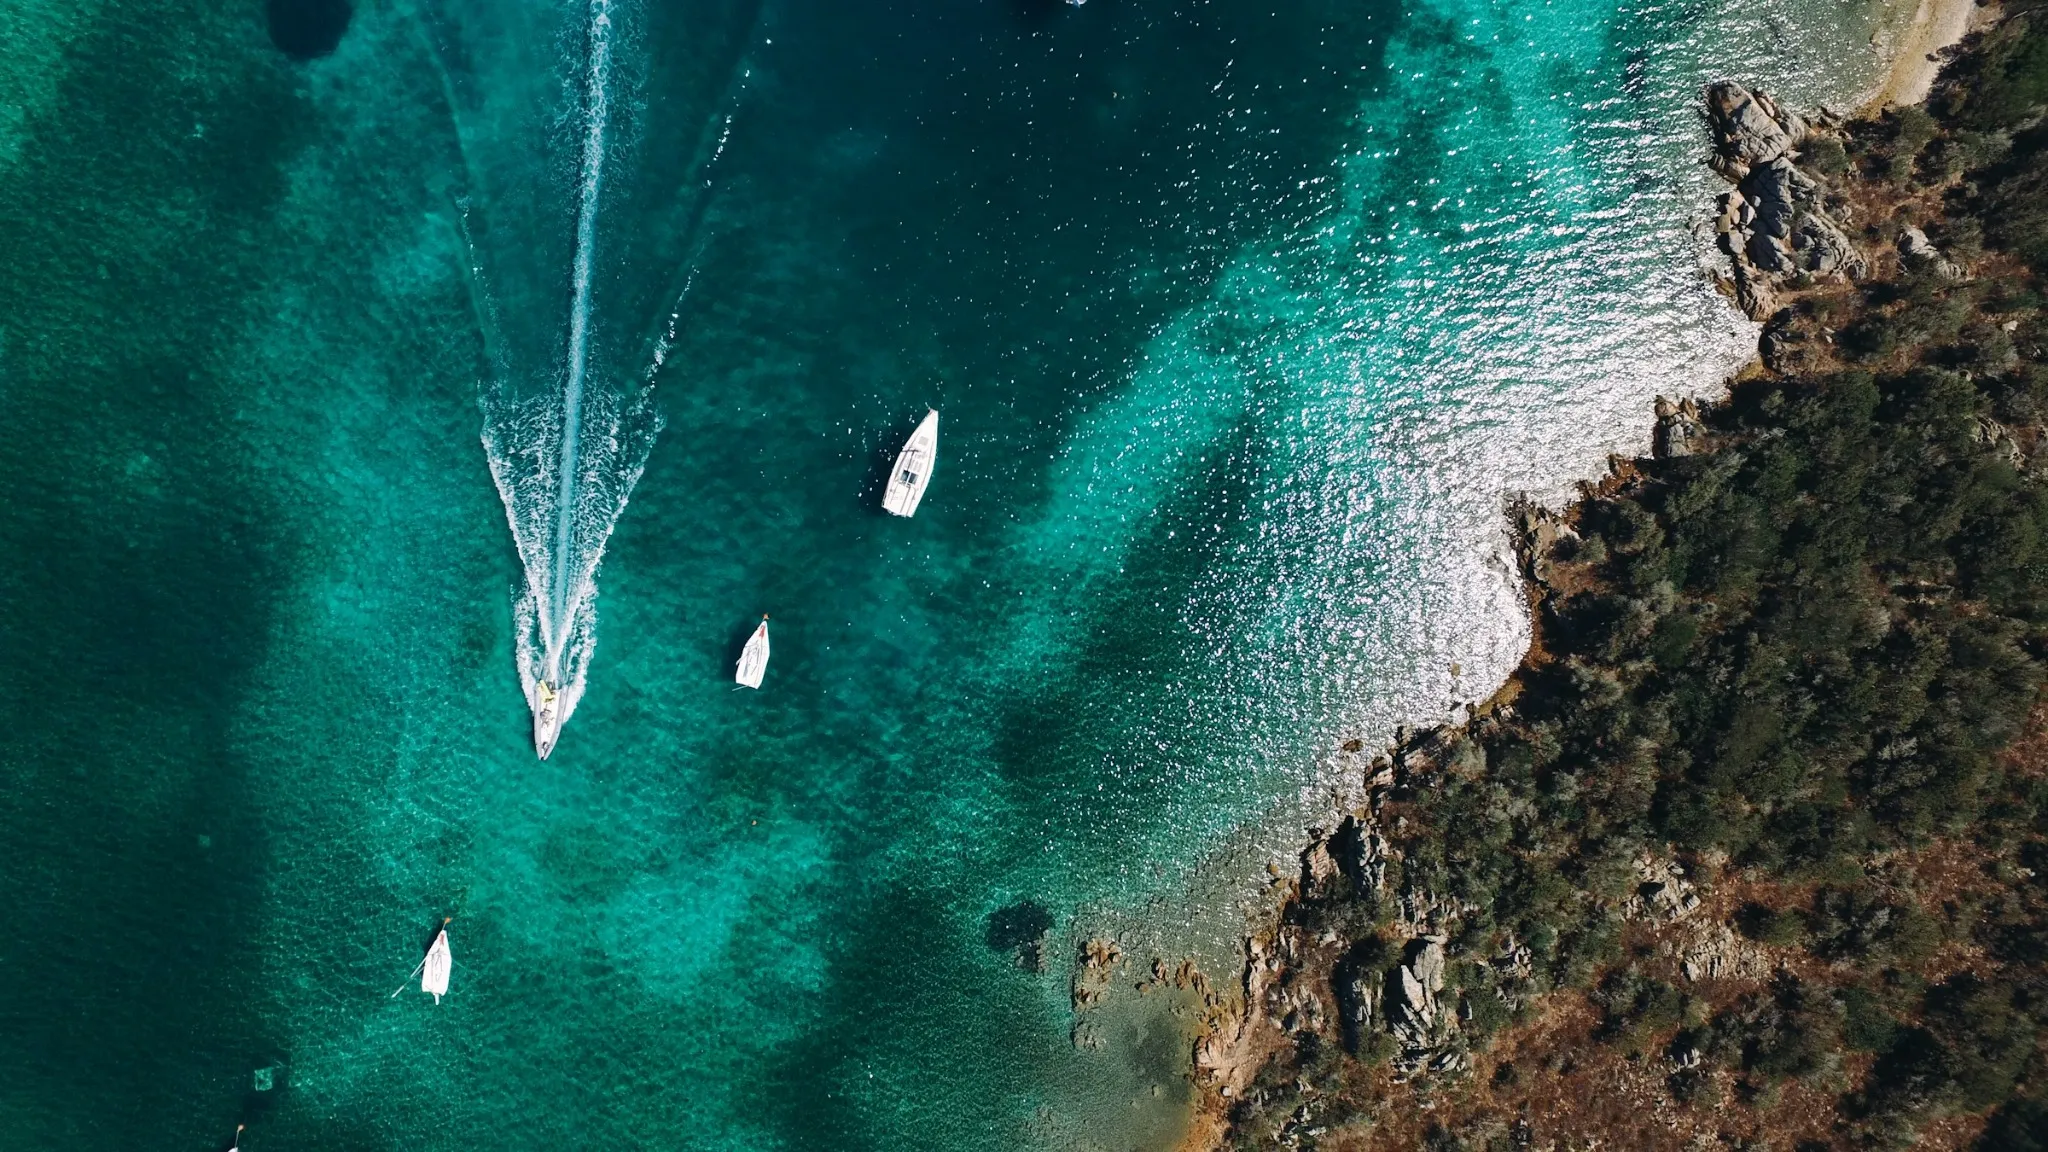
1244	321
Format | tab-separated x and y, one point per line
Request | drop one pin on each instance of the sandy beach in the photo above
1915	55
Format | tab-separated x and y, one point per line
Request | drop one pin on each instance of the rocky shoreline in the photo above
1782	231
1375	982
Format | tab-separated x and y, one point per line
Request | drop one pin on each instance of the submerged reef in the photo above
307	29
1752	852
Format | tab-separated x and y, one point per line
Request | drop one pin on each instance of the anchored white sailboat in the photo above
753	658
913	468
547	717
434	968
440	961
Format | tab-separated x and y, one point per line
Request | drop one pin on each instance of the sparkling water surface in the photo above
1244	321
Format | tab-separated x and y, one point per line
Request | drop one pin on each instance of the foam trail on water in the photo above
565	460
599	110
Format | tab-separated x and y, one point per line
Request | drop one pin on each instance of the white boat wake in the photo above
566	431
565	459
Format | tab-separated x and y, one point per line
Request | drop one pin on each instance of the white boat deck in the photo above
913	470
753	658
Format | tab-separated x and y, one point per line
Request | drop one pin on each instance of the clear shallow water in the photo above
1243	325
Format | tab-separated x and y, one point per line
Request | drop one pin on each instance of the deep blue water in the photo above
1244	321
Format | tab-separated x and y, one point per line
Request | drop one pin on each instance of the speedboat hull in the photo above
547	718
913	470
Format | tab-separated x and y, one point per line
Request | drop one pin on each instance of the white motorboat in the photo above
237	1145
439	962
547	717
913	468
753	658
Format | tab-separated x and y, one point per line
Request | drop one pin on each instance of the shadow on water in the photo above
736	644
133	835
307	29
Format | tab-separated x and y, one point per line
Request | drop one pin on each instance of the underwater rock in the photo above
1020	929
307	29
1093	969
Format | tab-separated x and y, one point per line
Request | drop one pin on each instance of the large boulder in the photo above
1362	853
1823	248
1749	129
1794	343
1416	1007
1919	254
1777	191
1680	430
1428	964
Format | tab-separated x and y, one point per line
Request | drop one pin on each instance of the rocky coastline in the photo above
1386	1007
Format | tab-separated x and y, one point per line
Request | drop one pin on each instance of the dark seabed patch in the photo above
307	29
149	565
1019	930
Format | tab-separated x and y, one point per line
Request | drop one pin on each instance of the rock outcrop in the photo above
1361	853
1423	1030
1749	129
1715	952
1775	224
1918	254
1680	430
1662	893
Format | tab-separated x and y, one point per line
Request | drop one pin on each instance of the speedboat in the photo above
753	658
547	717
913	468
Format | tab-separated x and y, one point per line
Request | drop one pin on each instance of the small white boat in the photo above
753	658
439	962
237	1145
913	468
547	717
